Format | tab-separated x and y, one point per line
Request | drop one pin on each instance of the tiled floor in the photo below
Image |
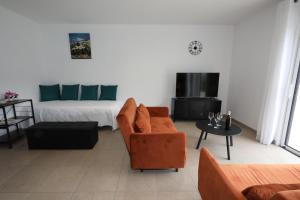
104	172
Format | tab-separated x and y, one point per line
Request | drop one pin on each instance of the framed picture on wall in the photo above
80	45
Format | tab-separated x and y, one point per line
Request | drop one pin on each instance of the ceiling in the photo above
136	11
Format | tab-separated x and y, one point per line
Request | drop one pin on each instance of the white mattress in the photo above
104	112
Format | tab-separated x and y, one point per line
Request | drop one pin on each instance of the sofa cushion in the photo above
267	191
108	92
49	92
144	111
243	176
70	92
162	125
143	119
89	92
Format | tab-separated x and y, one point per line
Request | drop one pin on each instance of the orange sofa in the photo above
162	148
226	182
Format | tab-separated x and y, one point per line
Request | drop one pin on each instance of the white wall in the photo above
20	62
251	49
141	59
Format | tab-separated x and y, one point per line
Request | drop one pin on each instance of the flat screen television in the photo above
197	84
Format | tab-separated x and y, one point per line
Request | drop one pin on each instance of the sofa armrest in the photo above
287	195
158	111
158	150
212	182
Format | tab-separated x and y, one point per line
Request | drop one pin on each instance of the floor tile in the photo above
93	196
178	196
138	195
104	173
49	196
13	196
134	180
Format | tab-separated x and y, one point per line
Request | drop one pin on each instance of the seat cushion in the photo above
142	121
266	192
243	176
162	125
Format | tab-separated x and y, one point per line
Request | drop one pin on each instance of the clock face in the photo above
195	47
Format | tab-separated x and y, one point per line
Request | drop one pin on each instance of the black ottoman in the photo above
62	135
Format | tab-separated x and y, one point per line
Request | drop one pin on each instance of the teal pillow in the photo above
69	92
108	92
49	92
89	92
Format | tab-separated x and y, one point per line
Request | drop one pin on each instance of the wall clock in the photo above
195	47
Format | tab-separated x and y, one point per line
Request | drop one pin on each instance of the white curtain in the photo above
272	123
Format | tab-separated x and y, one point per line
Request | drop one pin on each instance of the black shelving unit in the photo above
6	123
194	108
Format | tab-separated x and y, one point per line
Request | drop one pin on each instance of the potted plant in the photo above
10	95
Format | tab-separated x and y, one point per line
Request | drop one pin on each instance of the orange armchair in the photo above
228	181
163	148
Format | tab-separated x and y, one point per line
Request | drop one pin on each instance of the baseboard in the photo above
244	125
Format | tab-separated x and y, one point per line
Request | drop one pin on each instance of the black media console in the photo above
194	108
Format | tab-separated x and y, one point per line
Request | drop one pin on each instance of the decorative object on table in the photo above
195	47
210	117
228	121
10	95
218	118
80	45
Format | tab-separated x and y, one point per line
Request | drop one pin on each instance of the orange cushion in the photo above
142	121
266	192
162	125
143	110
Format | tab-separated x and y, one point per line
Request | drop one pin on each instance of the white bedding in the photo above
104	112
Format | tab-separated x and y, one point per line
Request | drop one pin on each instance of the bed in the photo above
104	112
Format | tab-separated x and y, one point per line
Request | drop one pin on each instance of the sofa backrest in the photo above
212	182
126	120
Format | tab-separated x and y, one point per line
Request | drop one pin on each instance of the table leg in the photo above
200	139
227	145
32	112
7	128
231	141
8	138
205	136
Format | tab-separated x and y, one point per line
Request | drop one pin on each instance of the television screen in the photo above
197	84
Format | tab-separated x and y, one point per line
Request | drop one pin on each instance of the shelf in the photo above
4	103
13	121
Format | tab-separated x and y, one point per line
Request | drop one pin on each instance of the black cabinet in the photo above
194	108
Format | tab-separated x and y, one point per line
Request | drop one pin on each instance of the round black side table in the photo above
205	128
